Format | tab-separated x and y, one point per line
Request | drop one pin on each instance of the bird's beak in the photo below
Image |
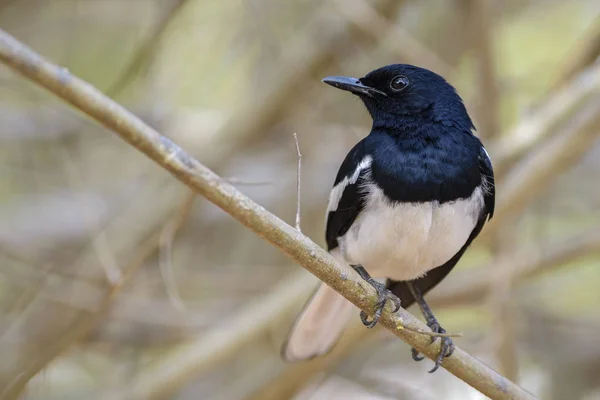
353	85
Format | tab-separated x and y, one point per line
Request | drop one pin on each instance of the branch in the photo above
205	182
298	181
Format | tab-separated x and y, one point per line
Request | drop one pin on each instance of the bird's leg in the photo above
383	295
447	344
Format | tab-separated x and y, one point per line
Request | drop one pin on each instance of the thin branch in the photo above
436	334
205	182
298	180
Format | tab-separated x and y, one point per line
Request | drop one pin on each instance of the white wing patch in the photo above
338	190
486	153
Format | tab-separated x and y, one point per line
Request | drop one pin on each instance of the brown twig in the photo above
298	180
436	334
203	181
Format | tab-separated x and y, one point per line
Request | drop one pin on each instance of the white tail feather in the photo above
318	327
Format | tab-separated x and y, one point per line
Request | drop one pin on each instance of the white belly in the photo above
403	241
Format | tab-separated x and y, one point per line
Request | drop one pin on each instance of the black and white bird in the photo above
406	203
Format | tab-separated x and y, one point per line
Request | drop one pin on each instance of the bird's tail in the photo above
318	327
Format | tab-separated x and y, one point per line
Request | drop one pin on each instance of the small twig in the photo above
298	180
433	334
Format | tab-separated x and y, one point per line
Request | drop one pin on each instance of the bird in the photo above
406	203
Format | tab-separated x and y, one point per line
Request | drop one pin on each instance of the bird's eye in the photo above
399	83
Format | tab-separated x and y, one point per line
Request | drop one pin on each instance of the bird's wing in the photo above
436	275
489	185
346	200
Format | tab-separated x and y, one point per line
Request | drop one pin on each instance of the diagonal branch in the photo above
202	180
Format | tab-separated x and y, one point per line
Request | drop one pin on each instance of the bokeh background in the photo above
117	283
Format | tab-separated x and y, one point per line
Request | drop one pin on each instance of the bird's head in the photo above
397	91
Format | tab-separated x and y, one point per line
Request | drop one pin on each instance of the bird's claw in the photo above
415	355
383	295
446	350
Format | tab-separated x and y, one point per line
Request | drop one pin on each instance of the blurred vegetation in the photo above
230	81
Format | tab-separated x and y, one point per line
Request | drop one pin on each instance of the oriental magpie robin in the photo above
406	203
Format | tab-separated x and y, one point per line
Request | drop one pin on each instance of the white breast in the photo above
403	241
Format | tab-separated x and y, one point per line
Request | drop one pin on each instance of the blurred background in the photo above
117	283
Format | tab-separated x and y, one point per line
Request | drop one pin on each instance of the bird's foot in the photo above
447	347
383	295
